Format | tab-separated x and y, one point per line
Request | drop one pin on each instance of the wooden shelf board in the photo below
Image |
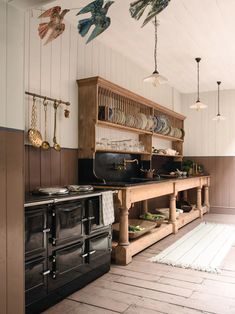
156	234
121	151
165	155
122	127
167	137
150	238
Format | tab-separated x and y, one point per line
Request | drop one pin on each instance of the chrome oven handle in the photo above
47	272
46	230
92	252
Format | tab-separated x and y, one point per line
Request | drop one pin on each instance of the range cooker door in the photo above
66	222
100	247
94	214
36	273
66	265
35	231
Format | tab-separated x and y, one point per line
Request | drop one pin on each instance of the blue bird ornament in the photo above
138	7
98	18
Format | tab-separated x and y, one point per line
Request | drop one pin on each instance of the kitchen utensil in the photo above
56	146
34	135
148	173
45	144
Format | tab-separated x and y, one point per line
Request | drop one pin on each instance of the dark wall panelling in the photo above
48	168
3	226
222	170
11	221
15	221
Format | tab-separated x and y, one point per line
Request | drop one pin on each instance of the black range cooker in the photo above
66	246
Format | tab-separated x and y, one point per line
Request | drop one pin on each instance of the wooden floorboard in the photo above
143	287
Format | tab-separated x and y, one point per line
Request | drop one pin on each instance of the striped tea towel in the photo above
107	207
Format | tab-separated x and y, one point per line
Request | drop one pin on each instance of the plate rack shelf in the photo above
107	105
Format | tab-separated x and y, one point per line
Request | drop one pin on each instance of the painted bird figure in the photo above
138	7
54	27
98	18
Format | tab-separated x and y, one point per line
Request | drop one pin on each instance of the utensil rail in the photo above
67	103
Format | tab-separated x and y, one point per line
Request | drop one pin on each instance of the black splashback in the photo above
107	164
108	167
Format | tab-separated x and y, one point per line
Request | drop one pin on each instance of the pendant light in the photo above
218	117
155	78
198	105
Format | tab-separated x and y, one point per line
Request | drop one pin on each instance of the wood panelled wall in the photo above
222	170
11	221
50	168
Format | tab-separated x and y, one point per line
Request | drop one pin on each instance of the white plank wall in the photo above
205	137
11	66
53	69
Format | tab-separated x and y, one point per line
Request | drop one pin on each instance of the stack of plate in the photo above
130	120
118	116
142	120
162	125
150	123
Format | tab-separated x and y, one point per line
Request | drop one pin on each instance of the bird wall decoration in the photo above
138	7
55	27
98	18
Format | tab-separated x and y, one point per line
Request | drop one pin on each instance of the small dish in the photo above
146	225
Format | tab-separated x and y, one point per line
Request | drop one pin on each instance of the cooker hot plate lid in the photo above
52	191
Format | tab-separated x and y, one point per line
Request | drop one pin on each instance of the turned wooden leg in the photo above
206	198
199	201
145	206
123	227
173	213
185	195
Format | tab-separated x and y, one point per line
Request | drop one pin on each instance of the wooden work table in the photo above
126	196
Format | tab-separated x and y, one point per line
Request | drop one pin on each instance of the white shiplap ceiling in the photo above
188	29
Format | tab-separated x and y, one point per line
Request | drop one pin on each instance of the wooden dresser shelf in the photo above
98	150
165	155
167	137
100	101
122	127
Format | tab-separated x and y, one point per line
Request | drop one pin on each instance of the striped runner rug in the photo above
203	248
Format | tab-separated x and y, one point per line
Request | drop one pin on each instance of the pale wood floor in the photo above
143	287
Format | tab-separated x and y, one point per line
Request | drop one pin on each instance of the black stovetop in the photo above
33	198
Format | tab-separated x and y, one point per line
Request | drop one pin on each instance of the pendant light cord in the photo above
218	98
198	78
198	82
155	47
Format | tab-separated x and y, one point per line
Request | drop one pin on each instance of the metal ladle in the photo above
56	146
45	144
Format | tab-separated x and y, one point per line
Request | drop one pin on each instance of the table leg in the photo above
173	213
145	206
199	201
122	251
123	227
185	195
206	198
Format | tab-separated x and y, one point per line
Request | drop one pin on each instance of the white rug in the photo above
203	248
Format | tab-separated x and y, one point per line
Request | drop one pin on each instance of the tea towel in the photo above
107	207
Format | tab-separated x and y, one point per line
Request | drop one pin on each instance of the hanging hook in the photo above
45	101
